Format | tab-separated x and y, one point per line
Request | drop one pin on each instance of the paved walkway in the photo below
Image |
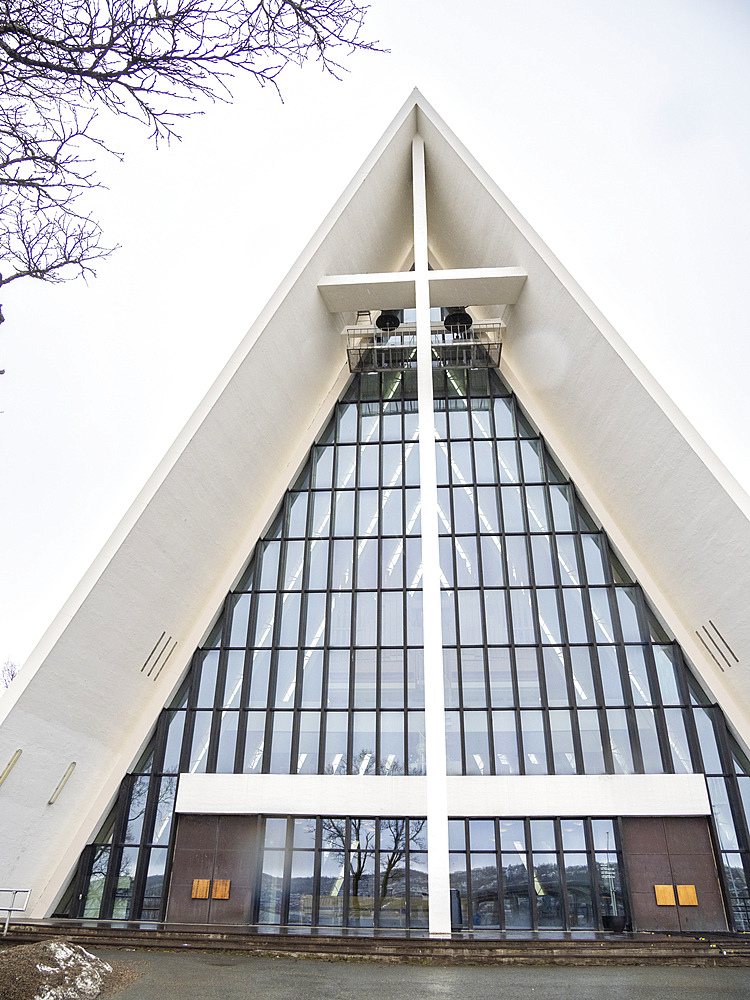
215	976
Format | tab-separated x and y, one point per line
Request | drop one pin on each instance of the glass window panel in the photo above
583	682
531	460
391	426
523	616
516	892
340	620
346	429
227	743
265	610
534	745
392	678
207	689
154	888
281	743
469	616
338	678
507	461
392	564
473	678
294	556
413	523
95	888
476	743
442	463
563	510
309	739
369	425
512	836
717	792
413	561
549	912
485	905
332	868
416	743
541	551
365	678
573	834
503	412
594	555
518	567
549	621
391	759
315	619
456	835
454	763
707	740
510	498
418	895
554	675
602	614
254	742
506	742
368	510
484	461
543	834
536	507
492	561
619	740
467	563
233	680
610	673
495	616
464	510
450	678
391	619
363	743
125	879
458	420
487	512
391	520
591	742
201	737
665	669
337	727
301	888
482	834
639	684
678	741
528	678
240	614
321	516
626	603
414	617
312	678
346	464
271	887
322	466
581	909
164	810
393	464
444	511
603	834
297	515
289	608
568	560
367	563
652	763
501	678
415	678
136	810
563	750
574	618
317	560
258	693
343	510
411	467
461	465
446	544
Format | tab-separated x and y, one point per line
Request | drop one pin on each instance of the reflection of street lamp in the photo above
608	871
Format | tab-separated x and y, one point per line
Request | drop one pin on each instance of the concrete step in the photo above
633	949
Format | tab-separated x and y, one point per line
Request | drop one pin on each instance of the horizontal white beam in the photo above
501	795
475	286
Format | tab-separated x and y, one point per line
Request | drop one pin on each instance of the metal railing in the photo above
8	904
372	350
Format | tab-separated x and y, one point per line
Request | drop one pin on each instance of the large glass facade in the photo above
554	664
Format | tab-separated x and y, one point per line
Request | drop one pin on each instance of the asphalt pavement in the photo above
212	975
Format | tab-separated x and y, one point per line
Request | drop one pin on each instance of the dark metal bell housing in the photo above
389	319
457	320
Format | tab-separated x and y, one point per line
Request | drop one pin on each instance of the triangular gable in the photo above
93	688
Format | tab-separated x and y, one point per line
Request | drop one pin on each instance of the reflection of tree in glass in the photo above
137	811
394	834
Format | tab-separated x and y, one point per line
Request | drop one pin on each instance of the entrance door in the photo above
671	868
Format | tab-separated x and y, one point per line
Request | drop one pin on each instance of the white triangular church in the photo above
432	620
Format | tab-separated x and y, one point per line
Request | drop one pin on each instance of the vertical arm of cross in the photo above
437	789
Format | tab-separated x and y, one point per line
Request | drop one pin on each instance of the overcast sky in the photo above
619	129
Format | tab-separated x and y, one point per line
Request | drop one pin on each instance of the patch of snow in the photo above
83	973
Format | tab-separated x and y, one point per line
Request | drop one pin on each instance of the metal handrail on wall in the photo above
12	908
